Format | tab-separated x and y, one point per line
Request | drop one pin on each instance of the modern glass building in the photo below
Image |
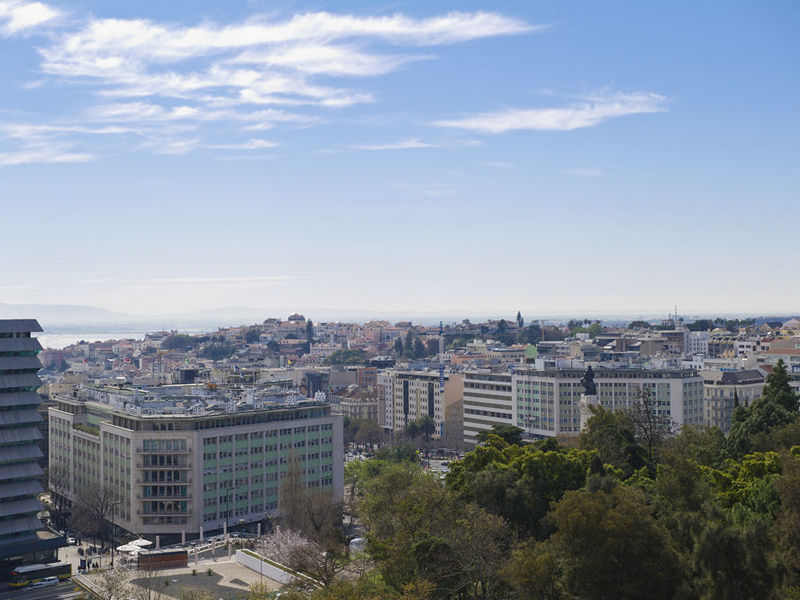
22	537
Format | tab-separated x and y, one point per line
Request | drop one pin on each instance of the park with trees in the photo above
613	514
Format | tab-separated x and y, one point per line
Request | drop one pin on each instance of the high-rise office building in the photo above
22	537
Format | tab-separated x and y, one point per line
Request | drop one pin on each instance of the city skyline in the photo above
472	157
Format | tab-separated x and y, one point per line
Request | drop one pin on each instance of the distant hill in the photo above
64	313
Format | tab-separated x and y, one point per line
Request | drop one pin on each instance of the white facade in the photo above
548	401
386	401
488	401
696	342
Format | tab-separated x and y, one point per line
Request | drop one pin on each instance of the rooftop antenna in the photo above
441	357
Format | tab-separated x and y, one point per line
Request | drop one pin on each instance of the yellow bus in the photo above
22	576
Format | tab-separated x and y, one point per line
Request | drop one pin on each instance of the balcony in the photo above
157	513
140	451
187	497
173	482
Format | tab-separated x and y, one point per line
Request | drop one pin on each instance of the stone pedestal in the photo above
586	412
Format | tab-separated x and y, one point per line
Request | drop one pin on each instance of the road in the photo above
62	591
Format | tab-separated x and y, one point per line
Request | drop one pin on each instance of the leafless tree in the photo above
149	584
58	478
113	584
318	562
279	544
312	511
651	426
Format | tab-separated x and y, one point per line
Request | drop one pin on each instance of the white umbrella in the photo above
141	542
127	548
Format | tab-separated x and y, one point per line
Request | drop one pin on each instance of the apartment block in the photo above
488	401
416	394
547	401
722	389
196	469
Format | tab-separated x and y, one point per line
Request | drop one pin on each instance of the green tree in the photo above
426	427
398	347
346	357
419	348
520	320
309	331
418	529
735	563
786	529
611	547
518	483
612	435
778	389
535	573
533	334
252	335
595	329
432	347
408	345
762	417
701	325
509	433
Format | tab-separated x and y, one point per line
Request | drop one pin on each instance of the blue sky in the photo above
554	157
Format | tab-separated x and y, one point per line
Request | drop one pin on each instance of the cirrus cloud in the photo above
593	111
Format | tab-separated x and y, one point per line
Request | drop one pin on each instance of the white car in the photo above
46	582
71	541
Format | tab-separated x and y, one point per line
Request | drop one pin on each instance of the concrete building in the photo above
488	401
547	400
697	342
23	540
357	402
385	382
417	394
721	389
202	468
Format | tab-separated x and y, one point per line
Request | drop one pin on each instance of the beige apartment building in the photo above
415	394
195	473
721	391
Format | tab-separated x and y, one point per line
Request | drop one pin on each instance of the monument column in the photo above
589	397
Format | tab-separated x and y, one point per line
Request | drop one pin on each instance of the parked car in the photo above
46	582
71	541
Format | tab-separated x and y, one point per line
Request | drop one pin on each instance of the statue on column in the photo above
587	381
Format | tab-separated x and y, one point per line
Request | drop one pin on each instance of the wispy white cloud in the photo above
17	16
585	173
48	154
256	61
593	111
254	144
401	145
253	75
37	143
414	143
